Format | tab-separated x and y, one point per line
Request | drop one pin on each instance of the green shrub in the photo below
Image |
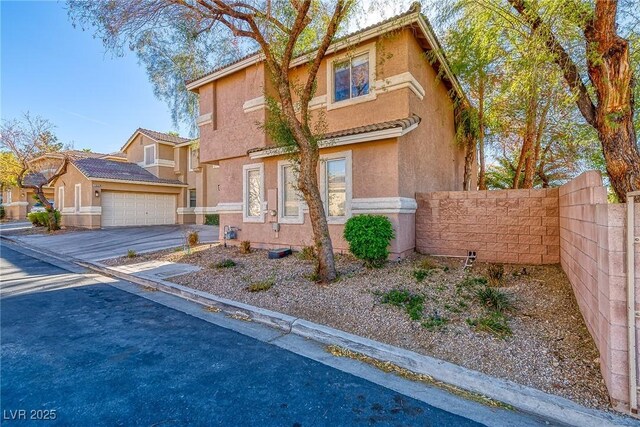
493	299
33	217
420	274
435	321
263	285
212	219
412	303
131	253
3	213
225	263
41	219
494	323
369	237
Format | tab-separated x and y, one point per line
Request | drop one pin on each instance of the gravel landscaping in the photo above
535	336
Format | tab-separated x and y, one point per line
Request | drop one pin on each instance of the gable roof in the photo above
102	169
373	132
413	18
161	137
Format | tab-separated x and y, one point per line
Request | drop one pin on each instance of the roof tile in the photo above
121	171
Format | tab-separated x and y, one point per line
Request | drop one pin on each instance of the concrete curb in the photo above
525	399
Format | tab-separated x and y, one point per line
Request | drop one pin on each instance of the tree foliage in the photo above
27	140
179	39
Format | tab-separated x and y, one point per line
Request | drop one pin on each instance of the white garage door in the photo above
119	209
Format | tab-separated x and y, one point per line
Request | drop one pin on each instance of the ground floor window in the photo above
289	198
192	198
253	192
335	185
77	196
60	198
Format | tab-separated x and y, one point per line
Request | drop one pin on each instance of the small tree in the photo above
282	30
28	140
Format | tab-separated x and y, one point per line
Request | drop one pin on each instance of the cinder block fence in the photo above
573	225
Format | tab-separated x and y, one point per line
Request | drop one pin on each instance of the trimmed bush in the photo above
369	237
41	219
212	219
3	213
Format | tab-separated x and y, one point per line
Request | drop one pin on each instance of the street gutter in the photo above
522	398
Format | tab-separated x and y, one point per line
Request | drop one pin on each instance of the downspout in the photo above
631	302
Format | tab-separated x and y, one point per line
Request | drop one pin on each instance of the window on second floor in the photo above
192	198
351	78
149	155
9	196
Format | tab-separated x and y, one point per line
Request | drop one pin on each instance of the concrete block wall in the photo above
508	226
593	255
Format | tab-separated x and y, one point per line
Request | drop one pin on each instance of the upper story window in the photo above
351	78
149	155
253	192
9	196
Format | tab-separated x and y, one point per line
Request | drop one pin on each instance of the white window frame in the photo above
153	163
371	50
60	198
348	185
9	196
77	197
298	219
245	195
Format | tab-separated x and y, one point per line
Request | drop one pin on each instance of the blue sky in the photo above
65	75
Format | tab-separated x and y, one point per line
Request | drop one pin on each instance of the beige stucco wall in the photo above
135	154
425	159
429	157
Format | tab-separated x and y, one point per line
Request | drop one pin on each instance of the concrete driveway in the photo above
96	245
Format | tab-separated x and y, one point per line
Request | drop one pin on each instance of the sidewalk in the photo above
522	398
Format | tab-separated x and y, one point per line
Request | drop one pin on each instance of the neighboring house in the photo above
153	180
18	202
389	115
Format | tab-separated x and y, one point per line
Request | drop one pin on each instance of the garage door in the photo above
120	209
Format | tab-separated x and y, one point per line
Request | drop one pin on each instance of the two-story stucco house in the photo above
389	112
154	180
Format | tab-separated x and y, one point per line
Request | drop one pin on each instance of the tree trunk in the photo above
470	151
612	76
325	268
52	224
482	175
